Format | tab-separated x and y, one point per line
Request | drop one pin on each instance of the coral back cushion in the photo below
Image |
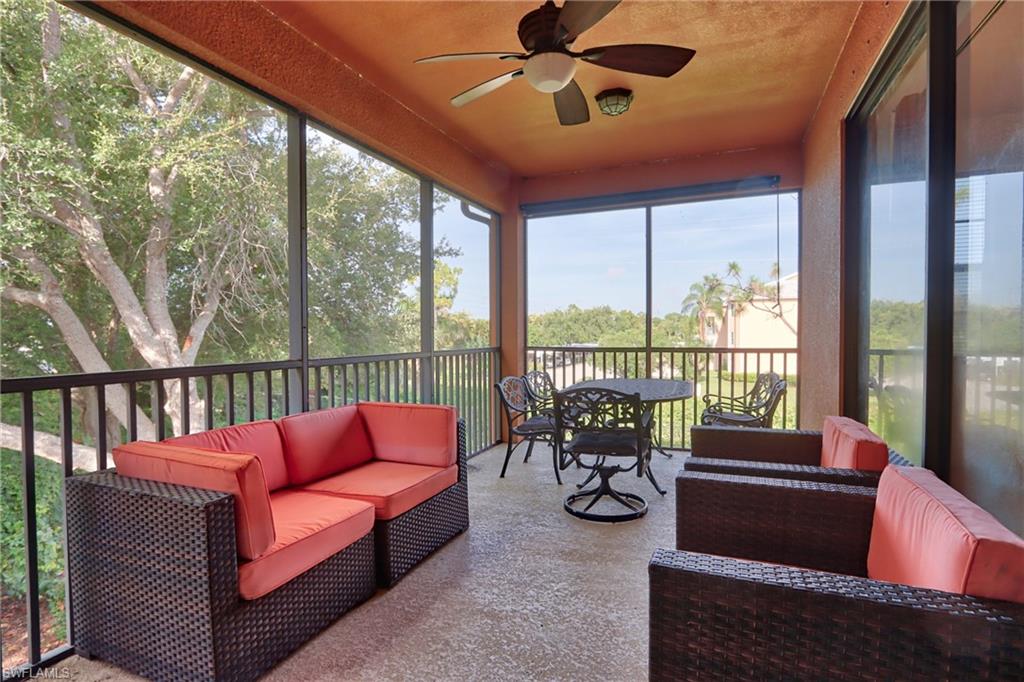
412	434
237	473
258	438
318	444
848	444
927	534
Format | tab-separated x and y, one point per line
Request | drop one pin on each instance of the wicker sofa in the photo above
844	452
791	579
215	555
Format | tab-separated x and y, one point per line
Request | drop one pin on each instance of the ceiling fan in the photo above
549	64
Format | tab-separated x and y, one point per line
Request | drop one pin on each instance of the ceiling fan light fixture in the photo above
615	101
549	71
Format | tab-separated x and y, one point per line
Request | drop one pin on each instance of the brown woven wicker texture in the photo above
713	616
776	453
787	446
406	540
800	472
154	577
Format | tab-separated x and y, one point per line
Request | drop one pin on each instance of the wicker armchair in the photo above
775	453
720	611
755	409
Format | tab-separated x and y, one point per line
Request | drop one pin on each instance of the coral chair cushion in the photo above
848	444
393	488
319	444
260	438
927	534
240	474
413	434
310	528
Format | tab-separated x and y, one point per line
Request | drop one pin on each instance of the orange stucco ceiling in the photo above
760	70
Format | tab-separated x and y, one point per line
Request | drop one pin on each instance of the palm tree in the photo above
705	297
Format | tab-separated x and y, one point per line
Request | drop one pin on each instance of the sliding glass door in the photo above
987	455
892	134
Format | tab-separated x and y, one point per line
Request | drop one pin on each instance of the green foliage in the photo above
49	505
896	324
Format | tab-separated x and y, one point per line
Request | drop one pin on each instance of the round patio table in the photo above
652	391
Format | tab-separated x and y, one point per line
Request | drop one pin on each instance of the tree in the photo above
705	298
145	216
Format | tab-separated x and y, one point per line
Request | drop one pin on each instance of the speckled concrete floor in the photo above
528	593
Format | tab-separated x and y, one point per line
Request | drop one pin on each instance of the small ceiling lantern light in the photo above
615	101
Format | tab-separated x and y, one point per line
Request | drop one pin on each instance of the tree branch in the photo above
177	90
146	101
81	220
50	299
197	332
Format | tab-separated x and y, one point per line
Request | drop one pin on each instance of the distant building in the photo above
765	322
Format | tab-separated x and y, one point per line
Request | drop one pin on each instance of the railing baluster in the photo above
286	407
785	377
317	387
331	389
101	427
268	381
133	406
186	406
208	404
67	442
67	445
250	397
161	417
231	398
28	473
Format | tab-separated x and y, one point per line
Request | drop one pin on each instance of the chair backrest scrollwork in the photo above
514	396
540	387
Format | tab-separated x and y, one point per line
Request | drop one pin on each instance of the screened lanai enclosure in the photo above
217	214
182	253
256	263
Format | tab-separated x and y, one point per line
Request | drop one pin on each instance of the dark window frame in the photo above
934	22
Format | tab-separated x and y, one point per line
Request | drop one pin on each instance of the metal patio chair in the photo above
755	409
595	427
540	389
523	421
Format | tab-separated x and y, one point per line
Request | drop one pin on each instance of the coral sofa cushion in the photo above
237	473
413	434
927	534
319	444
260	438
310	528
393	488
848	444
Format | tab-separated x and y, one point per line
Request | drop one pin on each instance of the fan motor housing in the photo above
537	28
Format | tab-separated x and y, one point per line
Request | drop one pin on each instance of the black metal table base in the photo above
636	505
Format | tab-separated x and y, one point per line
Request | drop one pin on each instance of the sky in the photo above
473	240
597	259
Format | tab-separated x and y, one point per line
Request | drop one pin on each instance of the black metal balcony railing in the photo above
713	371
151	403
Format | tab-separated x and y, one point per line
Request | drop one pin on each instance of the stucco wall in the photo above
821	214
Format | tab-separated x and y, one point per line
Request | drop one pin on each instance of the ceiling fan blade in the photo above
579	15
485	88
650	60
571	105
460	56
